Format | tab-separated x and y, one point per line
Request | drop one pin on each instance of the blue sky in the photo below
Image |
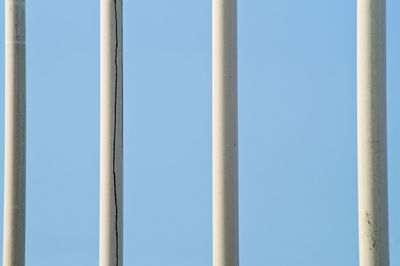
297	132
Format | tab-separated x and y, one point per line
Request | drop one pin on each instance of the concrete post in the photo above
111	134
371	126
14	164
225	133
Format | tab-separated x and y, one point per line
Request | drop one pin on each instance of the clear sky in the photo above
297	132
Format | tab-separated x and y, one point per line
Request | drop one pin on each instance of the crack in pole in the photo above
115	129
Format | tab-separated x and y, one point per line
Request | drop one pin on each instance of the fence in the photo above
371	109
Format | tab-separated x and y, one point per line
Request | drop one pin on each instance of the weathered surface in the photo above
111	135
371	116
14	164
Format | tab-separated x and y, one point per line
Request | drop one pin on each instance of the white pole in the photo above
225	134
14	164
111	134
371	126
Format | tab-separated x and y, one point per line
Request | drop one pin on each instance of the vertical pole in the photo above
14	164
225	133
111	134
371	127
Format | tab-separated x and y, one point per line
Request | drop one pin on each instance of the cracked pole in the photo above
14	161
111	134
371	128
225	133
